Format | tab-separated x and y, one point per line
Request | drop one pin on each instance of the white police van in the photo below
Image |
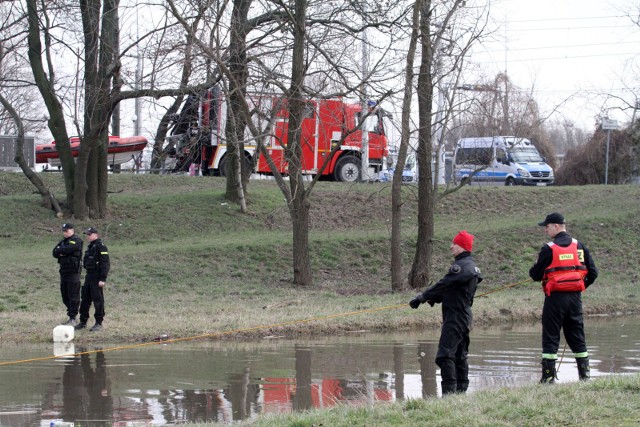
507	160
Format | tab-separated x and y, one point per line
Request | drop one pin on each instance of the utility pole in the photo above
137	126
364	166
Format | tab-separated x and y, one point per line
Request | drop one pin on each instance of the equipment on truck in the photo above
198	137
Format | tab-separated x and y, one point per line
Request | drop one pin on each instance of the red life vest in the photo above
566	272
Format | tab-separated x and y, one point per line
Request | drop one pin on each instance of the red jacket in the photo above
566	272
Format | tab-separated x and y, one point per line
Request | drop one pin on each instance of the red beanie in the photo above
464	240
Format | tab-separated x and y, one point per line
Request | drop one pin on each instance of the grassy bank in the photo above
187	263
610	401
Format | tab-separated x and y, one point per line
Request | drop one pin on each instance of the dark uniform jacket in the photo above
456	289
96	260
545	257
69	254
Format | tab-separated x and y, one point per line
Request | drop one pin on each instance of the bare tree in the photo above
585	164
397	279
307	56
48	199
427	192
102	88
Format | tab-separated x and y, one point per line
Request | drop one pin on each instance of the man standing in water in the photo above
566	269
455	291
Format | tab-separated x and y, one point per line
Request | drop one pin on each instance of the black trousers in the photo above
92	293
562	310
453	350
70	292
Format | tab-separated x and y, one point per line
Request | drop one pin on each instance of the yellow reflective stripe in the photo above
550	356
72	242
581	355
104	253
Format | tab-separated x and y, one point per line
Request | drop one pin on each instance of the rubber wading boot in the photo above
448	387
584	373
548	371
462	386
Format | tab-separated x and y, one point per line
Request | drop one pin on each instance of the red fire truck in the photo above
198	137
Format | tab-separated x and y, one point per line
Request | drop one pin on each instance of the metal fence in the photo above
8	151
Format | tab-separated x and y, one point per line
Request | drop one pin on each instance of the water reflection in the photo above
224	382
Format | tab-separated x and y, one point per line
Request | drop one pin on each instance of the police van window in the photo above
501	155
474	156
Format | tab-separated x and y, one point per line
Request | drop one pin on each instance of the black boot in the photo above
462	375
548	371
462	386
448	387
584	373
448	375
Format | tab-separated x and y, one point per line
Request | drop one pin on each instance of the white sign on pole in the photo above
609	124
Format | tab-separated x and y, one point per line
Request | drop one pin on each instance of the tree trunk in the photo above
421	268
101	67
397	279
46	87
299	210
236	125
300	203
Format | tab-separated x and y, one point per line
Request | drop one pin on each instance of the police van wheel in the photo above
348	169
510	182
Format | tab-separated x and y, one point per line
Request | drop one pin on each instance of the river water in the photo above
195	381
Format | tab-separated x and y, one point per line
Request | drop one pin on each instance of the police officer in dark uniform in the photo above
565	268
455	291
97	265
69	255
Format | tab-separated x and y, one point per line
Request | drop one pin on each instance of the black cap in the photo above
67	226
552	218
90	230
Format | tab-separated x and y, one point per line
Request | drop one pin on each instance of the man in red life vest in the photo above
565	268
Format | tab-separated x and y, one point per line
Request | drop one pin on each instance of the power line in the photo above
573	57
511	30
566	46
556	58
569	18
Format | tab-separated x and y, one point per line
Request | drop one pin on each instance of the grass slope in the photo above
185	262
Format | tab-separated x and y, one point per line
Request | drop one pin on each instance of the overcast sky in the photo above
567	49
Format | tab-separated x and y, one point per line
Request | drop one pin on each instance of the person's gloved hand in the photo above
415	303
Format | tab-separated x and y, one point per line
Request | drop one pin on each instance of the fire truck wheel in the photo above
348	169
222	166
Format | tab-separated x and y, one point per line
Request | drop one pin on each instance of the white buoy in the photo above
63	333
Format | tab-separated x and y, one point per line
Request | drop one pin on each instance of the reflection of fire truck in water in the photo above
197	137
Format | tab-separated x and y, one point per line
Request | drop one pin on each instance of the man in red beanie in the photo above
455	291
